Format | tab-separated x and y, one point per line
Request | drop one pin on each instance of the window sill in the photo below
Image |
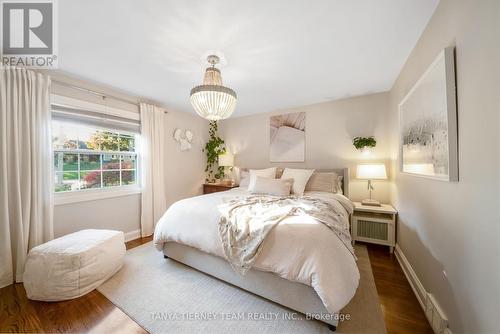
93	195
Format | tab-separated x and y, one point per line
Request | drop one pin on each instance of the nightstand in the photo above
374	224
209	188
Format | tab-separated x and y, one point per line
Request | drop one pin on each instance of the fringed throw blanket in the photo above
246	221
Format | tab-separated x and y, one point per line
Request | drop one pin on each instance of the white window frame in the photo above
82	195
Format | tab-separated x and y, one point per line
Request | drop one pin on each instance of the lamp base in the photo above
370	202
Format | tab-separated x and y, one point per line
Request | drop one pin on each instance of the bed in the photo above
317	276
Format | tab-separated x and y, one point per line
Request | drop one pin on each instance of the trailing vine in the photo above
213	148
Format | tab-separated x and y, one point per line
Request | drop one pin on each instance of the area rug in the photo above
165	296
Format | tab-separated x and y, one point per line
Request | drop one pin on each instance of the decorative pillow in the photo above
269	173
325	181
278	187
300	178
338	185
244	178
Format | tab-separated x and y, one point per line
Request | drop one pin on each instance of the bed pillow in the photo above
325	181
338	185
269	173
244	178
300	178
278	187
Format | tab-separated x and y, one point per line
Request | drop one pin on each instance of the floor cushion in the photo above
73	265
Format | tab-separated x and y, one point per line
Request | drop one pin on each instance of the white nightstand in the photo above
374	224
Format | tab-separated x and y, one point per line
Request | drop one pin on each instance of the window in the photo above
91	157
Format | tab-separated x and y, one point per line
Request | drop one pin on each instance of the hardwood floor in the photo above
402	311
95	314
90	313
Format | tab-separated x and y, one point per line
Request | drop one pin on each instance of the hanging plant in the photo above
213	148
362	142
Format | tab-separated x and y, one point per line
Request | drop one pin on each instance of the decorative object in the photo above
226	160
374	224
212	100
287	137
213	148
185	140
428	123
371	172
364	144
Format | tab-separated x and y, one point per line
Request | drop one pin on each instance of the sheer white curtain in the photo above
153	167
25	168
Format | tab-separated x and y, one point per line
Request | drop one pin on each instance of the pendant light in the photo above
212	100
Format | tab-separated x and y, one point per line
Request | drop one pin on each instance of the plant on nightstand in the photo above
365	144
213	148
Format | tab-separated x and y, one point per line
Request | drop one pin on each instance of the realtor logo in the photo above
28	33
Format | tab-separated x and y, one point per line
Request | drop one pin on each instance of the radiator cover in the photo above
372	230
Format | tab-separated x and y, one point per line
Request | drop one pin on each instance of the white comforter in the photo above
299	249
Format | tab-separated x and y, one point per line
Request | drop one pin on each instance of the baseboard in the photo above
132	235
411	276
435	315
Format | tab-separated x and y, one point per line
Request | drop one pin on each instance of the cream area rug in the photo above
165	296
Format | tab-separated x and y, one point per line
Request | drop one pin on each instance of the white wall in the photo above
117	213
449	231
330	128
184	173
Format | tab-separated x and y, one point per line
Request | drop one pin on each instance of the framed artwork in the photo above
287	137
428	123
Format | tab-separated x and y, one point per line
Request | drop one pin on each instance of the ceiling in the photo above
278	53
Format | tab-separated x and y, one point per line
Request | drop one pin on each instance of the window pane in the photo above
70	161
76	168
90	161
90	179
64	135
90	139
110	161
128	177
109	141
128	161
127	143
110	178
66	181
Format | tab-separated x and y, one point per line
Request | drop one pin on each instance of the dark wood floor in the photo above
402	311
96	314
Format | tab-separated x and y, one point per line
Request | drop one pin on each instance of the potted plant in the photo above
364	144
213	148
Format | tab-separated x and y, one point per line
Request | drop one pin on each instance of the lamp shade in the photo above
371	172
226	160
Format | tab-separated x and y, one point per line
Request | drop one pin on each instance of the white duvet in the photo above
299	249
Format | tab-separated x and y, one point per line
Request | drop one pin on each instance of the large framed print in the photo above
287	137
428	123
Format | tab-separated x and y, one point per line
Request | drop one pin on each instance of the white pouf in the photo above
73	265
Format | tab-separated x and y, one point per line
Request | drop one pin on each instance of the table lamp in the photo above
226	160
371	172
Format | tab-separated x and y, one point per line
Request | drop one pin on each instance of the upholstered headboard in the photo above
344	172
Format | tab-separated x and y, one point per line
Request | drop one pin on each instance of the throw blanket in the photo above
246	221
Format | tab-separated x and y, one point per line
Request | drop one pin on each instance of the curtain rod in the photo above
104	96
